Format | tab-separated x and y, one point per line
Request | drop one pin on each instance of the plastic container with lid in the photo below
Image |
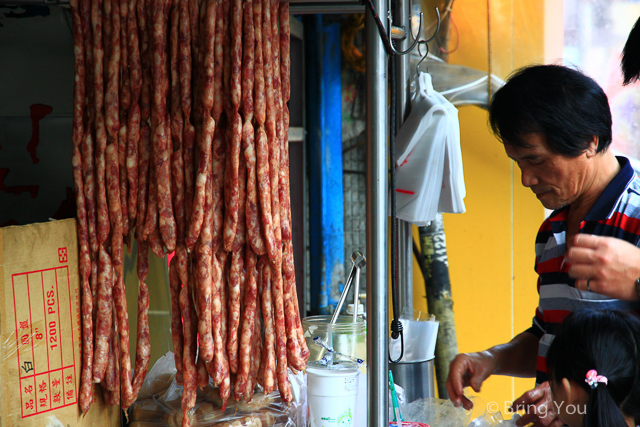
333	395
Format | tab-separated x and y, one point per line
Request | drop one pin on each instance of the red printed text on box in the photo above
47	373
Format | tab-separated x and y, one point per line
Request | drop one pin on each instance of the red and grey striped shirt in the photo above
616	213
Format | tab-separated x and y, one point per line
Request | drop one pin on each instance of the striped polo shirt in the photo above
616	213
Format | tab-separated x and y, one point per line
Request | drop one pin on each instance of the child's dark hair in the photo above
606	341
630	62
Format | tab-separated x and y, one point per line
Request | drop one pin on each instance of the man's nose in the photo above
529	178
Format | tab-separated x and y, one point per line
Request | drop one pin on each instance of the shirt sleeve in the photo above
538	325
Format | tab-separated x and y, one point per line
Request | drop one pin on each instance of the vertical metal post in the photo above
377	217
401	10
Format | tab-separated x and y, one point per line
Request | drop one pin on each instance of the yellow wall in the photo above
491	246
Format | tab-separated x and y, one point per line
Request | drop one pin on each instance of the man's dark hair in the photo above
561	103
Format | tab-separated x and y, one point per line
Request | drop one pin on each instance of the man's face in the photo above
555	179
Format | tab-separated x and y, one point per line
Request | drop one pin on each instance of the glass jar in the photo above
344	336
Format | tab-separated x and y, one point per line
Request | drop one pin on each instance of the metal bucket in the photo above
416	378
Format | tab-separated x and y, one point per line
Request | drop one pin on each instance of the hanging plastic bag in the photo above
429	175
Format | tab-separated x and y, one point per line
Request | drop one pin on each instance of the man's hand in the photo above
611	265
539	408
468	369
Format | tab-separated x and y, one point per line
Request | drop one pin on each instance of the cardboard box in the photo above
40	330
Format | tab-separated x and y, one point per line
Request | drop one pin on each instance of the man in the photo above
555	123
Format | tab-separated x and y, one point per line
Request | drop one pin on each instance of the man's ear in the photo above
593	146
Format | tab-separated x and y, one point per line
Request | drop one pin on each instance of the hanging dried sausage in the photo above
144	155
231	187
162	153
134	114
185	68
260	94
101	135
111	380
177	125
132	161
189	353
218	60
285	51
83	234
145	60
204	159
218	169
236	54
143	346
103	315
253	223
112	117
281	335
122	169
88	172
155	243
237	264
267	375
273	143
291	316
176	320
256	352
236	272
264	191
204	279
247	335
221	364
151	222
202	374
248	62
125	105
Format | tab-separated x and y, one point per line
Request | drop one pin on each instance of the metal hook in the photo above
423	56
437	27
416	40
387	41
425	42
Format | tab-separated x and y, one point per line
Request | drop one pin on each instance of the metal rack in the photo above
376	182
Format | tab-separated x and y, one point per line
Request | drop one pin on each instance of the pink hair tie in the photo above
593	379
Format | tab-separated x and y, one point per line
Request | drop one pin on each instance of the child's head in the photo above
604	341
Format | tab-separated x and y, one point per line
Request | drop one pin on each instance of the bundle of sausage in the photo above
159	404
180	138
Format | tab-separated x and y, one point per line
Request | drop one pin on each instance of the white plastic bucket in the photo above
332	395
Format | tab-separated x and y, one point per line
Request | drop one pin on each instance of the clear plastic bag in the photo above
436	412
159	405
459	84
442	413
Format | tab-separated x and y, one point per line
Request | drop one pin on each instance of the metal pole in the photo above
377	217
401	9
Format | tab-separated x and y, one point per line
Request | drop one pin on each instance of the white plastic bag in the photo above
429	175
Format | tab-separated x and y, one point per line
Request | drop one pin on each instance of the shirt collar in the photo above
609	197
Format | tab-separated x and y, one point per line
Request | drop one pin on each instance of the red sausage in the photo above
248	321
